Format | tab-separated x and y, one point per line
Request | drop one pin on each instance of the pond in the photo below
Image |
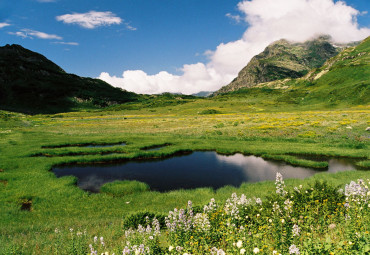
198	169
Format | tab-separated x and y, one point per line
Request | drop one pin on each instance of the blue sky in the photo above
175	37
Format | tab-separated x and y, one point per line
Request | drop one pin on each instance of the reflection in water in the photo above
199	169
257	169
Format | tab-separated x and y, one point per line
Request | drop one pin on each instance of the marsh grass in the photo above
122	188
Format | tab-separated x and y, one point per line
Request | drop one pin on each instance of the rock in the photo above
367	129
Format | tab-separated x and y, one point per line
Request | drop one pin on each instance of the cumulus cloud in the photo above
268	21
28	33
91	20
4	24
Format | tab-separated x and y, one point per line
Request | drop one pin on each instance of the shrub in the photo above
210	111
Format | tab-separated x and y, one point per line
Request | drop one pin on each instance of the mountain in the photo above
283	59
203	94
343	80
31	83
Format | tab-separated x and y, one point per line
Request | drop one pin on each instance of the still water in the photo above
198	169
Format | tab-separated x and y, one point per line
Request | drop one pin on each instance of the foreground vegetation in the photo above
304	220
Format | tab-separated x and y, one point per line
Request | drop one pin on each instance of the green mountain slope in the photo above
31	83
343	80
282	59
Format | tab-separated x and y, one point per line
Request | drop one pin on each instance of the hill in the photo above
343	80
31	83
283	59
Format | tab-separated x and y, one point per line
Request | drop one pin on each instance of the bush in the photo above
210	111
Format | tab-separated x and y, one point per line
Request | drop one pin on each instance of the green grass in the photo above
123	188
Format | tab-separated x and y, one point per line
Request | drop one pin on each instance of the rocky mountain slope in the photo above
283	59
31	83
343	80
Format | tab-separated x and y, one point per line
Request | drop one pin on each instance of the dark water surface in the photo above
199	169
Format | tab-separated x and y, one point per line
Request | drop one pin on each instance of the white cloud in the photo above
268	21
4	24
41	35
236	18
129	27
91	20
19	34
28	33
67	43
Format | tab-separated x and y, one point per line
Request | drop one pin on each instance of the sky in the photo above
178	46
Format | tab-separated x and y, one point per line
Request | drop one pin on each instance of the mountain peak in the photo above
283	59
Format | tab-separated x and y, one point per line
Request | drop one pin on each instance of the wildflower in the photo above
282	221
270	220
126	250
258	201
256	250
56	230
242	251
239	244
288	205
276	207
211	207
215	251
332	226
179	248
170	248
71	230
221	252
280	185
293	249
95	239
296	230
201	222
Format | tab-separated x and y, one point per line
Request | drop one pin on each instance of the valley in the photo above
300	122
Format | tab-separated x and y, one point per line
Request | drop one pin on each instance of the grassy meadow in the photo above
42	214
